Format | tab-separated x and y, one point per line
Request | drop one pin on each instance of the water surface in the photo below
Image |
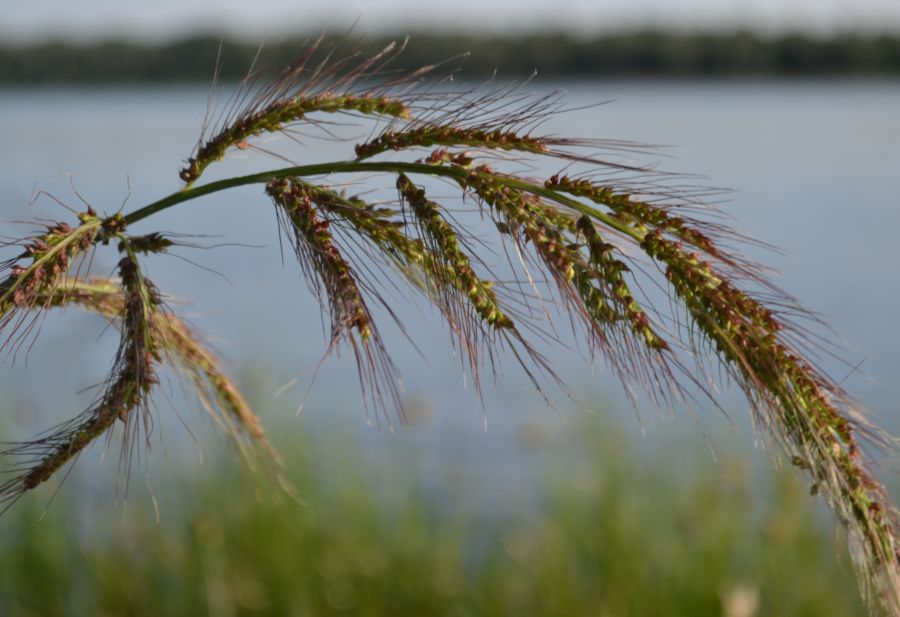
813	167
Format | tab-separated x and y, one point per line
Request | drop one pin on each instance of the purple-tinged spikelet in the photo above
325	266
125	395
41	268
309	86
445	243
181	348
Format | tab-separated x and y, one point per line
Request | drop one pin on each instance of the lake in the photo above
813	167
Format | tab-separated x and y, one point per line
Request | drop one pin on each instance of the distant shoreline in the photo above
646	54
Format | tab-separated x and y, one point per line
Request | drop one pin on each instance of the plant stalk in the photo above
319	169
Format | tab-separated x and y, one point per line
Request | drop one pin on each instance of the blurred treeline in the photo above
639	54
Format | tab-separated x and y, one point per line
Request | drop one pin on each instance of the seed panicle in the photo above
589	237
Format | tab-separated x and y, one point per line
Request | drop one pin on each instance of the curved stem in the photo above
319	169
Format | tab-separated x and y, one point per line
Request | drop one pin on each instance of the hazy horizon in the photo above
167	19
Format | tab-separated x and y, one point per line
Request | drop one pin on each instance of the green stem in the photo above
319	169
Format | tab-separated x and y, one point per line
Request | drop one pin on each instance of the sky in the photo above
166	19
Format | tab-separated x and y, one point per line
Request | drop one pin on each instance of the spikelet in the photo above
469	303
439	135
327	270
500	119
589	279
805	412
444	241
124	398
305	88
48	258
183	349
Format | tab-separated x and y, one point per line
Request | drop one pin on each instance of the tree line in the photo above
634	54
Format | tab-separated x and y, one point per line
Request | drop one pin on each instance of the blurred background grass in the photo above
612	529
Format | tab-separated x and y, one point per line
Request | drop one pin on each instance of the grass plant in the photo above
584	239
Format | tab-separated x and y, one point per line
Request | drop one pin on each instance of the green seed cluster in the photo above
103	297
182	347
521	212
128	389
278	114
138	322
598	280
740	318
746	334
449	135
643	214
611	272
319	256
379	225
315	240
479	292
443	156
149	243
51	255
388	233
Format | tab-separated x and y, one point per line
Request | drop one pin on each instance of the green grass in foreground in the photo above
616	533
